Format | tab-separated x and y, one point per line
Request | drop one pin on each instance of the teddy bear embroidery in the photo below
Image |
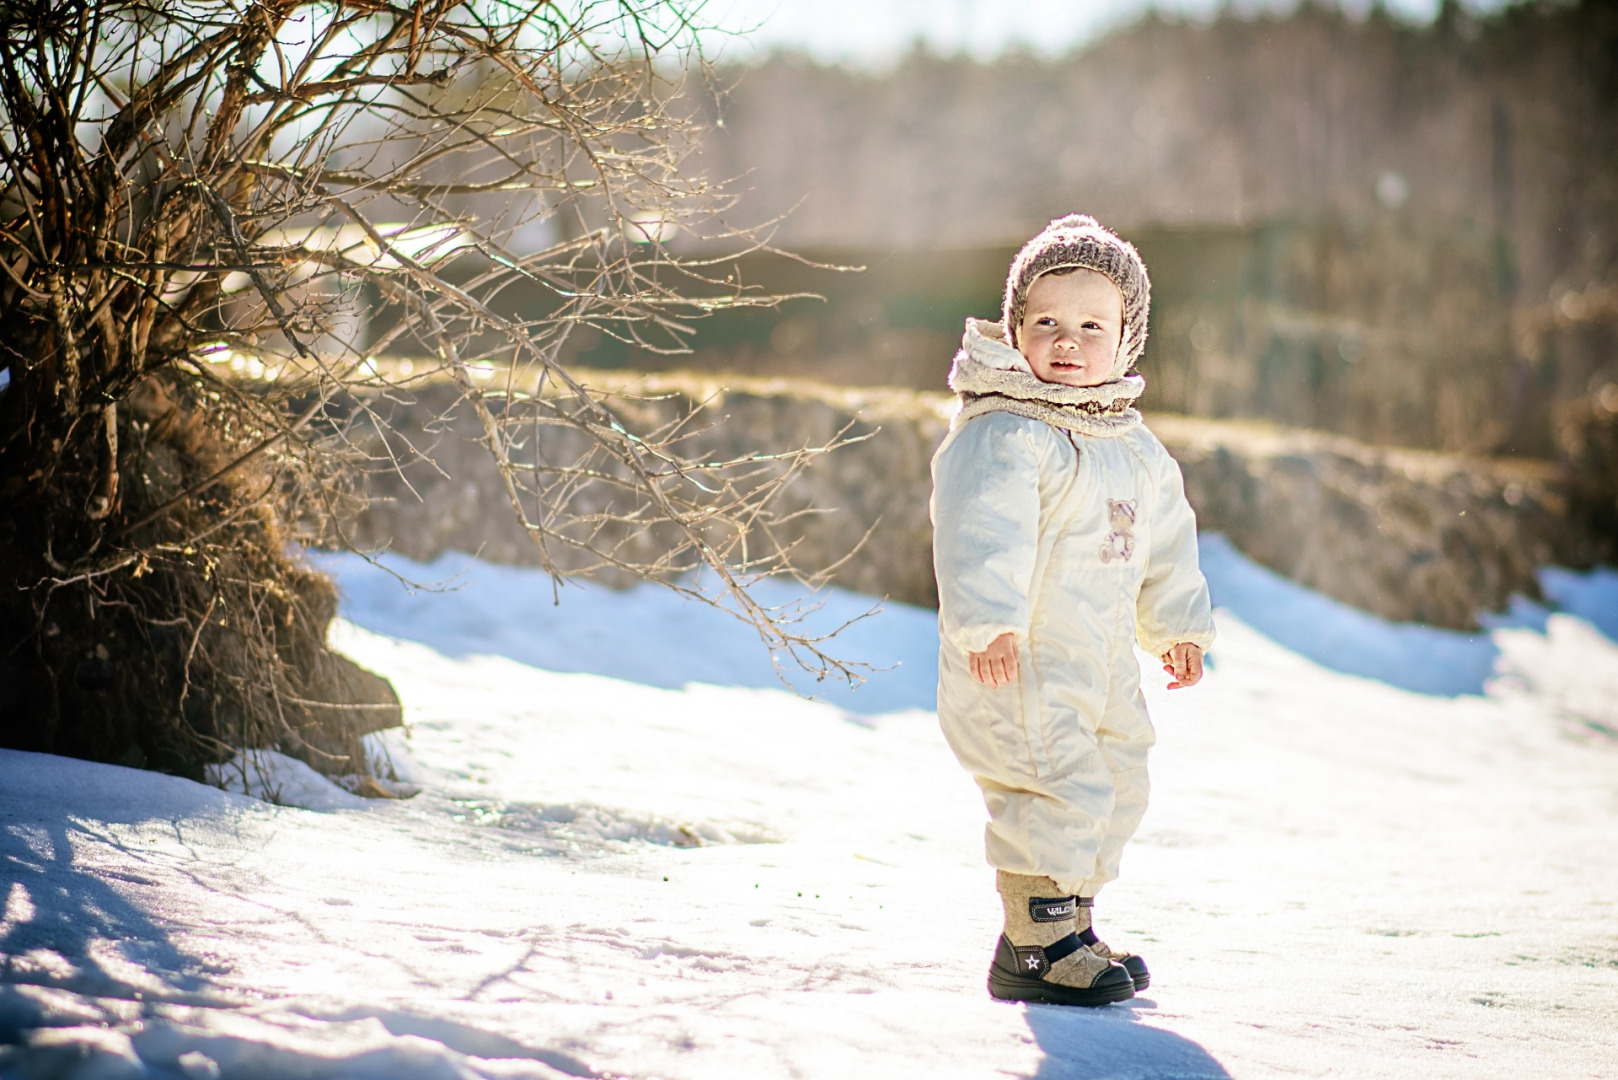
1120	543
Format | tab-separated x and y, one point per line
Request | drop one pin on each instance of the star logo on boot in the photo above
1033	963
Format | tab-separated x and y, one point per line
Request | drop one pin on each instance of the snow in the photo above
1373	851
500	610
272	776
1420	658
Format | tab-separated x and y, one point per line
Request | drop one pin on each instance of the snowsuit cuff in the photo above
971	639
1159	646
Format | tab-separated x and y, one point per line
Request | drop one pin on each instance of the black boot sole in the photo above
1110	988
1137	972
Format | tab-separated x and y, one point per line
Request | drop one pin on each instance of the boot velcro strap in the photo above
1085	901
1088	936
1050	909
1035	960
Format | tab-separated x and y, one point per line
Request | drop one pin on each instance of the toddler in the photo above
1061	537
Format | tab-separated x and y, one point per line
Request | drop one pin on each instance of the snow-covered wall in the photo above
1409	536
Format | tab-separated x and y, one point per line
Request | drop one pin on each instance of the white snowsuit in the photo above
1081	546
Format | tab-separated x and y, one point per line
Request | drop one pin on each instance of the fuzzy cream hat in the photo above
1079	241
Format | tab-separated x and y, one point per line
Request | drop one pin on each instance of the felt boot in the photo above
1040	957
1131	963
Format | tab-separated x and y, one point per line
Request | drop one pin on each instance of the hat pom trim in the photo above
1074	221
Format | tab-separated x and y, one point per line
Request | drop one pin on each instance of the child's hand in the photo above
997	665
1184	662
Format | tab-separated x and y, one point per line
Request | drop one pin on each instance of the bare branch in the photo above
223	230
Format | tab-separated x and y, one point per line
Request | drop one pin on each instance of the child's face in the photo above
1071	328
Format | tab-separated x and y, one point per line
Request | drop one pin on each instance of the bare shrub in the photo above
223	225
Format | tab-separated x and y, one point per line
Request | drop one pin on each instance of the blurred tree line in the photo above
1406	233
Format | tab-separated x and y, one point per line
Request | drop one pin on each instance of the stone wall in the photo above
869	498
1407	535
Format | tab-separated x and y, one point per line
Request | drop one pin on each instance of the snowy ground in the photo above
1373	851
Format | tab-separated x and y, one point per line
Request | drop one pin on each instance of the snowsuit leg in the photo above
1053	827
1125	736
1049	792
1071	824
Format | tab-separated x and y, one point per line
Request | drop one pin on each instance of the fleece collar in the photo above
990	376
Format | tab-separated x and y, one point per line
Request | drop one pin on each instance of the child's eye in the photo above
1092	325
1045	320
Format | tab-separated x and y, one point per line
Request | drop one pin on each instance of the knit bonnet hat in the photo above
1080	241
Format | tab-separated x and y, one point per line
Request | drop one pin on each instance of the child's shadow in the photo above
1112	1043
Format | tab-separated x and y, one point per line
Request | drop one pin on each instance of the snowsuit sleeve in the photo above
985	511
1173	605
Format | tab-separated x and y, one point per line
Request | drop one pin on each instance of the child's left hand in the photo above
1184	663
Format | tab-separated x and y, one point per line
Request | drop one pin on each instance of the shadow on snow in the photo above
1113	1043
91	984
644	634
1423	659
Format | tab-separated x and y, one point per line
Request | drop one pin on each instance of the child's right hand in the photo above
996	666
